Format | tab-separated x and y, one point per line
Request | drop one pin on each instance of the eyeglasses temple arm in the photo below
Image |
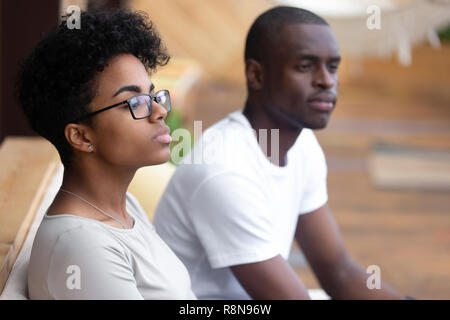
98	111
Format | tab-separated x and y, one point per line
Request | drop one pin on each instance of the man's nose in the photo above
324	79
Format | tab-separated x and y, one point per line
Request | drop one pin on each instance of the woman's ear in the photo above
78	136
254	73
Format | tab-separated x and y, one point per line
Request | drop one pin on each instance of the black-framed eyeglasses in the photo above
139	105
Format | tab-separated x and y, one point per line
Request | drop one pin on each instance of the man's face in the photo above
300	78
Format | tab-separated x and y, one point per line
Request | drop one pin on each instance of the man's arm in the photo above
272	279
319	237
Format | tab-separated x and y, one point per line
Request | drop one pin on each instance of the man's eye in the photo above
333	67
304	66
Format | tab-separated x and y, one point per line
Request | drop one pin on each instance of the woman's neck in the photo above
104	186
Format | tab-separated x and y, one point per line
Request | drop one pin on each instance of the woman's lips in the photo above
165	138
163	135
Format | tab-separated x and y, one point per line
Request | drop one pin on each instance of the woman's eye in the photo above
133	103
161	99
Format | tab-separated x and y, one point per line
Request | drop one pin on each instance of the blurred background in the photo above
387	144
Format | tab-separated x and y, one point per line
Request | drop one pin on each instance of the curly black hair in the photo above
56	82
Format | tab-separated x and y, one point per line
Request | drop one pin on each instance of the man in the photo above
232	219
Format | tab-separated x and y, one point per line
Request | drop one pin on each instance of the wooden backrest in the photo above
26	166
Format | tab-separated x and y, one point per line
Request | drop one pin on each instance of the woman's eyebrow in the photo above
132	88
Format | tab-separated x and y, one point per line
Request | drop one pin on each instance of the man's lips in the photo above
322	103
163	135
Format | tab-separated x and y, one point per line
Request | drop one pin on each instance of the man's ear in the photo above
78	136
254	73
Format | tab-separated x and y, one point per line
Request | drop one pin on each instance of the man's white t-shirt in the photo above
81	258
227	204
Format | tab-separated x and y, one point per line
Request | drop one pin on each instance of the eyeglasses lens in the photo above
141	104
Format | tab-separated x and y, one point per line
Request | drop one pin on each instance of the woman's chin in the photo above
163	157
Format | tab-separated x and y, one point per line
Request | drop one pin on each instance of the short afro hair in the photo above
269	25
55	83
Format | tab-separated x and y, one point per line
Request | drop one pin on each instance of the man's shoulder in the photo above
228	143
307	138
307	145
233	119
234	129
194	175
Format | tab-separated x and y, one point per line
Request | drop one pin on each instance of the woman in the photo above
88	92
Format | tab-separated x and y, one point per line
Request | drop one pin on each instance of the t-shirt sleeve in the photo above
231	217
85	265
315	191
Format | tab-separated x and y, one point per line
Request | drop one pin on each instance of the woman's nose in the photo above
158	112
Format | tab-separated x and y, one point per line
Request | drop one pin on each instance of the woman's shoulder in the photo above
70	230
66	241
